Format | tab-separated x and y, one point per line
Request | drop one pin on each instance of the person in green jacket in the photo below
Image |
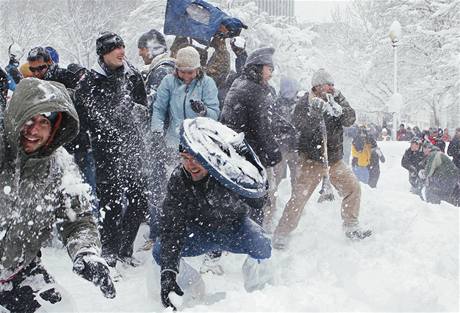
441	176
40	187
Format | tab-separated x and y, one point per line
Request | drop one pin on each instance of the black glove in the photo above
238	44
354	162
94	268
380	154
169	284
198	107
233	25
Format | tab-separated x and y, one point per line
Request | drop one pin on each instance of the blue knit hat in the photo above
53	53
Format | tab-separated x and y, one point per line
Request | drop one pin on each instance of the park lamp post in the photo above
396	99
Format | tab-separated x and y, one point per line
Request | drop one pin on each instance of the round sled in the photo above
226	155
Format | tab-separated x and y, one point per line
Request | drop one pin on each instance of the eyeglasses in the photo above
38	68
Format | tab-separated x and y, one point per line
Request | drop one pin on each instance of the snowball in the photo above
6	190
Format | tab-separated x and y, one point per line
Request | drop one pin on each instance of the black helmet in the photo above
108	42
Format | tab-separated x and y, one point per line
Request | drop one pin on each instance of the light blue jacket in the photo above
173	102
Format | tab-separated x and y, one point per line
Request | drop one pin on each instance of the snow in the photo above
411	263
7	190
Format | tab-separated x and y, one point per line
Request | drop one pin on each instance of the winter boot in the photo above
256	274
211	264
355	233
191	283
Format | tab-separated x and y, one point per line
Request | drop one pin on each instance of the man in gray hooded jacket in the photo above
40	186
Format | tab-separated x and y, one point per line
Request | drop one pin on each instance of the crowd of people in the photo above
432	178
97	152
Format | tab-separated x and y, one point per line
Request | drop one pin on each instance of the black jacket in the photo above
62	75
247	109
155	75
454	151
307	124
206	204
108	107
413	161
3	89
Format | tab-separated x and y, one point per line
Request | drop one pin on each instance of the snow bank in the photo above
411	263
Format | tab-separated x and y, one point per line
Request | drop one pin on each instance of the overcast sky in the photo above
318	10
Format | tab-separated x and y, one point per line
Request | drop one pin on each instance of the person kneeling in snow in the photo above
204	211
440	175
40	186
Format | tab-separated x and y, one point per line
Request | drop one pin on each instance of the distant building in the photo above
282	8
277	7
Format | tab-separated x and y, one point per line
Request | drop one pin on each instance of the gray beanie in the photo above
321	77
188	58
261	56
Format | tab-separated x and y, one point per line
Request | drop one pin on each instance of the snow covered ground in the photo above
411	263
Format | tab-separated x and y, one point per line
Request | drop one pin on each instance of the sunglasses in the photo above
38	68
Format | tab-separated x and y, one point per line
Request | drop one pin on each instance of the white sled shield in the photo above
226	155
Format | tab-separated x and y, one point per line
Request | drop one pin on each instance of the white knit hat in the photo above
321	77
187	59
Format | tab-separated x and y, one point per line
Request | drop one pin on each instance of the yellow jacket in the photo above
364	157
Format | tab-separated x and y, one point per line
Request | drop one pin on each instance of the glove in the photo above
234	26
422	174
238	44
198	107
380	154
354	162
334	109
169	284
13	61
94	268
318	104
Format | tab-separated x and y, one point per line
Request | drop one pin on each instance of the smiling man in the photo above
110	101
201	215
40	119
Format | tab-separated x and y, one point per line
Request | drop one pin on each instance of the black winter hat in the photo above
152	39
261	56
107	42
38	53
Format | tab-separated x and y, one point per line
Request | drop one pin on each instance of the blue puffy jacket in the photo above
172	104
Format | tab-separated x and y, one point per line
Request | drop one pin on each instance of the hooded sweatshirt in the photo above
43	188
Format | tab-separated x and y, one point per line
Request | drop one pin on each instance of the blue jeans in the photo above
362	173
247	239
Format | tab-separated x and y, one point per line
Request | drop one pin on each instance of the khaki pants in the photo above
309	175
275	175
